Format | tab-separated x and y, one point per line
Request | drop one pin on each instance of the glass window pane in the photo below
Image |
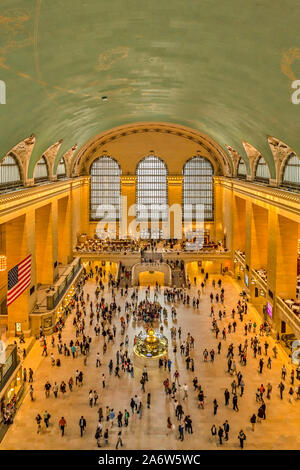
10	176
291	175
151	189
41	170
198	189
105	188
262	170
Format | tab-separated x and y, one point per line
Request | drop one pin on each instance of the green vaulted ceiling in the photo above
224	68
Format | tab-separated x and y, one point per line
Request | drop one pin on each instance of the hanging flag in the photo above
19	278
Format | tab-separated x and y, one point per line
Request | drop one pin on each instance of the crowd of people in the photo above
105	312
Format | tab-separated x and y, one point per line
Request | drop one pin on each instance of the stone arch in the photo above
50	156
236	157
253	156
67	156
22	153
281	153
156	134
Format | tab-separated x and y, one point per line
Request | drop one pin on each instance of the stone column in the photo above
64	231
128	194
46	243
175	202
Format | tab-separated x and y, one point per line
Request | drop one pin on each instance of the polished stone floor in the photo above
279	431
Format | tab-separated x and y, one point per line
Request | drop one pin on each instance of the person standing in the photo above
242	438
82	425
220	434
226	429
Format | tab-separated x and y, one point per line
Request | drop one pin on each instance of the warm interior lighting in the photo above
3	263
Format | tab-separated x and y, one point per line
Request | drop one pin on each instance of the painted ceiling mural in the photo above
75	68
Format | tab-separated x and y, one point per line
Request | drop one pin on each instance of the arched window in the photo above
61	169
151	189
262	170
198	188
105	189
41	171
291	174
241	169
10	176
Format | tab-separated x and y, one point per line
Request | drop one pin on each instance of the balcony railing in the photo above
7	369
61	287
292	317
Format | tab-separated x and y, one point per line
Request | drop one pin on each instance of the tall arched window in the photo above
151	189
291	174
41	171
241	169
198	188
105	188
61	169
10	176
262	170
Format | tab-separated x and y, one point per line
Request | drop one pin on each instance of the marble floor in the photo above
279	431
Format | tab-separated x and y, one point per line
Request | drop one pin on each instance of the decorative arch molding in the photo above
22	153
67	157
253	156
236	157
152	154
281	153
96	146
50	156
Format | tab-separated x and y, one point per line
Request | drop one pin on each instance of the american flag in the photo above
19	278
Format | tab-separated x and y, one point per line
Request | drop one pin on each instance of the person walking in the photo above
62	424
281	388
253	421
119	440
31	392
82	425
38	420
227	396
215	405
148	400
235	402
47	416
